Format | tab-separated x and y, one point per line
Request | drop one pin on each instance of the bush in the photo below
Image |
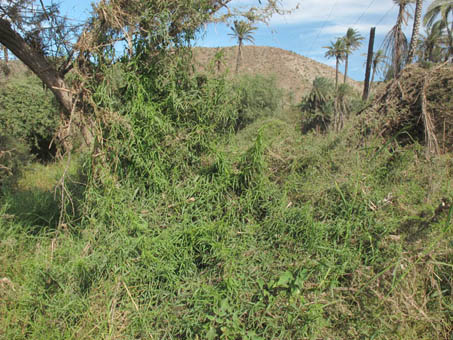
324	105
318	105
163	119
29	114
259	96
13	155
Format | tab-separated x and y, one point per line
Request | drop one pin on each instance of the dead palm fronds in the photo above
395	43
416	107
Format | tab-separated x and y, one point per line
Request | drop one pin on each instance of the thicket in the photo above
28	123
259	96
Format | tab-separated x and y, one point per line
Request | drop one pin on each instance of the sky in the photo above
305	31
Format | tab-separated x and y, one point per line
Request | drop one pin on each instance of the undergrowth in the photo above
190	229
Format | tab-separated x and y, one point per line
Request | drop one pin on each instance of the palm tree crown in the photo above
442	9
352	41
379	58
378	61
336	50
242	31
432	45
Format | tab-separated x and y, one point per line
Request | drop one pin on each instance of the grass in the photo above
273	235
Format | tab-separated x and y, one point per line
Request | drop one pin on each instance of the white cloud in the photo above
348	11
341	29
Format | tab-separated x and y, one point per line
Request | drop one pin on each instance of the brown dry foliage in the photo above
419	102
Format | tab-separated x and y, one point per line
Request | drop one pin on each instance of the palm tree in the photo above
442	8
415	31
319	103
378	60
242	31
218	58
395	43
336	50
352	41
342	105
431	44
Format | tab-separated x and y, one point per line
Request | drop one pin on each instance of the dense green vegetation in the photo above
204	207
28	122
192	222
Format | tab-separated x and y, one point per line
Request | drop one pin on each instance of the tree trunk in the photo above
5	55
336	73
397	64
415	31
346	65
129	33
37	63
429	53
238	60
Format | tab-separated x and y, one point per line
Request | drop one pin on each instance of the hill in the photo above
294	73
14	70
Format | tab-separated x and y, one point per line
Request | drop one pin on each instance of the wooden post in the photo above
366	89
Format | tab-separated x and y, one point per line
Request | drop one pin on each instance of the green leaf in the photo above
284	280
224	305
260	283
212	334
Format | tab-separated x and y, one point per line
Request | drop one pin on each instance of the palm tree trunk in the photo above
336	72
238	59
346	65
397	47
428	53
415	31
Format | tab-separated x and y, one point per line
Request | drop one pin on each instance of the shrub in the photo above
318	105
165	119
259	96
13	155
28	120
29	114
324	105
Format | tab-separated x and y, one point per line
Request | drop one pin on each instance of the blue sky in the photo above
306	30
